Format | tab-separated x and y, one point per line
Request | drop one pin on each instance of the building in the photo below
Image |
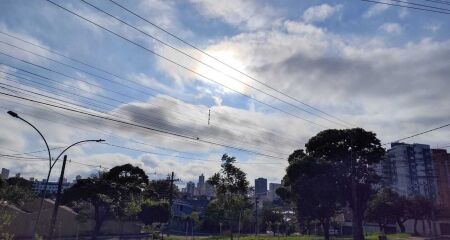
190	188
5	173
408	170
441	162
261	187
17	175
272	191
52	187
201	185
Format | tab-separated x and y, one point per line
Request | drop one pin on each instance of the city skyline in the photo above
315	35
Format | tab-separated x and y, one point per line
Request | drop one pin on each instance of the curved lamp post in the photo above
51	163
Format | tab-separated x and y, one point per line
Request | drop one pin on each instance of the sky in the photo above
275	73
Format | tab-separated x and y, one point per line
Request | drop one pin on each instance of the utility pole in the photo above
57	201
171	180
256	214
171	190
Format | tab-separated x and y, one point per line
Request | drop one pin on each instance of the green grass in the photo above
373	236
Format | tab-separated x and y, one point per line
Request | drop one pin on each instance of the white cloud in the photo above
320	13
394	28
375	9
433	27
243	14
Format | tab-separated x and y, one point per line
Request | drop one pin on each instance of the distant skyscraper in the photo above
18	175
201	185
261	187
190	188
5	173
441	161
408	170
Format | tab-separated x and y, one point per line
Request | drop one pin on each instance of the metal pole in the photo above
57	201
15	115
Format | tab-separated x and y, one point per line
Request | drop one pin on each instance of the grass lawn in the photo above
267	237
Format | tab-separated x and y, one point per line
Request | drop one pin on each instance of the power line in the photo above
403	6
438	1
224	63
418	134
140	126
170	155
184	67
206	64
72	104
420	5
67	65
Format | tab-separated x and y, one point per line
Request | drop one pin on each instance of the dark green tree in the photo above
110	194
154	211
231	187
160	189
381	208
16	190
352	154
312	186
419	208
271	217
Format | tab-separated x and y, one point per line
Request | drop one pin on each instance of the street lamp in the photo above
51	164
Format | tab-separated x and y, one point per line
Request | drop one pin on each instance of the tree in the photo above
153	211
110	194
352	153
271	217
16	190
380	208
419	208
301	184
231	187
99	193
160	189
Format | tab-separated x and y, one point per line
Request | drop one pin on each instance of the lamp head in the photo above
13	114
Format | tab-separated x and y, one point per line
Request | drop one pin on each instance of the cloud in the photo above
242	14
433	27
394	28
375	9
320	13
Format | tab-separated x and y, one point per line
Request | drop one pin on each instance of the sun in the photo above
222	74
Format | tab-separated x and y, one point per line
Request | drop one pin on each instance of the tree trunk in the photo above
98	222
326	228
424	232
430	230
357	225
415	227
401	225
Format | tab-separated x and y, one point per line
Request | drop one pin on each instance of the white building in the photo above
52	187
272	191
5	173
408	170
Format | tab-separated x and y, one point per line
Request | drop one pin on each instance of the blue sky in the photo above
381	68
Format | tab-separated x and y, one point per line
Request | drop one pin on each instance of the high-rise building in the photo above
201	185
18	175
441	161
5	173
261	187
272	190
190	188
408	170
